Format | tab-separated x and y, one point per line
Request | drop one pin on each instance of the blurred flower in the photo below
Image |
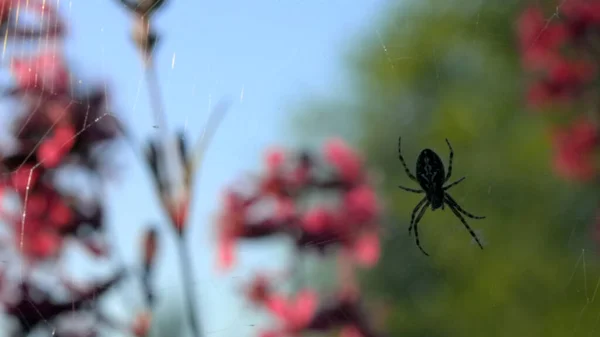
301	314
350	223
350	331
580	16
42	72
564	81
294	314
233	224
141	324
347	222
275	159
366	249
344	160
259	290
539	39
361	204
574	150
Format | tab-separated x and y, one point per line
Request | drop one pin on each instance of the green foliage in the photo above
450	69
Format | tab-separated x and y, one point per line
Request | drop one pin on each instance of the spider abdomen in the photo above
431	176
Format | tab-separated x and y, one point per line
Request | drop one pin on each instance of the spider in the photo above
431	177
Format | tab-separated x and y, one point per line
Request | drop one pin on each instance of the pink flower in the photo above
259	290
539	40
564	81
53	150
44	72
275	159
295	314
285	209
141	324
361	204
366	249
347	163
317	220
580	15
38	243
231	223
226	253
25	177
350	331
575	146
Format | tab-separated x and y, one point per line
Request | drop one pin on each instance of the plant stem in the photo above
160	121
188	285
187	274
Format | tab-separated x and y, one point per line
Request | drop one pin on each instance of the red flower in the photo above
539	39
581	15
575	146
45	72
259	290
295	314
285	209
141	324
275	159
366	249
37	243
318	220
360	203
25	177
53	150
350	331
231	223
347	163
564	81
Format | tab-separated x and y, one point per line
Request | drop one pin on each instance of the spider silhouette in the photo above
430	175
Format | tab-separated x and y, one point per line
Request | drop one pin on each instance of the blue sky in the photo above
277	52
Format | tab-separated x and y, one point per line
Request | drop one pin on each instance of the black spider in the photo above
431	177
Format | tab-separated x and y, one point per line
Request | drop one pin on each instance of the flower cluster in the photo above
302	313
57	128
560	53
281	202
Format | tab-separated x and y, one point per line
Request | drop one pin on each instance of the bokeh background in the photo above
368	71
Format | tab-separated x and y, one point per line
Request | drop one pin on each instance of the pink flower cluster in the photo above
56	128
345	223
560	53
303	312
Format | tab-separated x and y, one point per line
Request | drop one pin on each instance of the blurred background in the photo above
300	72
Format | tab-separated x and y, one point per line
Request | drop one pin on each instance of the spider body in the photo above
431	176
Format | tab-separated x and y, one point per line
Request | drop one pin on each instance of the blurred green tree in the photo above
441	69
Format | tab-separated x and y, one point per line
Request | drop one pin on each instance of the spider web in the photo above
193	58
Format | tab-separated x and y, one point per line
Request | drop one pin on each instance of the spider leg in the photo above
410	189
410	175
449	161
414	212
454	183
464	222
416	224
453	203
